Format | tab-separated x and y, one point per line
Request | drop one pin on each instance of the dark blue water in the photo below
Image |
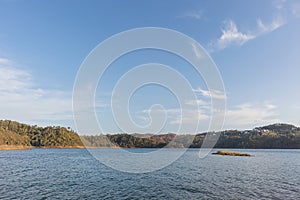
75	174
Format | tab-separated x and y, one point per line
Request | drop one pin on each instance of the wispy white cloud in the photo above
242	116
289	8
231	35
190	117
295	8
198	102
12	79
279	4
21	100
101	104
197	51
195	14
275	24
179	116
251	114
210	94
4	61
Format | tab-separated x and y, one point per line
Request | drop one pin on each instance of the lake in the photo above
75	174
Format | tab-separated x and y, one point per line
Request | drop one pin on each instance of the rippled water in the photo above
75	174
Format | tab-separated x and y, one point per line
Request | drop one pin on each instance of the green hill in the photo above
15	133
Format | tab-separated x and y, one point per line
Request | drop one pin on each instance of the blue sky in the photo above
255	45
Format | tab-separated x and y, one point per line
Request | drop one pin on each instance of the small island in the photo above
230	153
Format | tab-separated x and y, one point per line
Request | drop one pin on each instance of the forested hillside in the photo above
15	133
276	136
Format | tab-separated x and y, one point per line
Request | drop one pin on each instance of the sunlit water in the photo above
75	174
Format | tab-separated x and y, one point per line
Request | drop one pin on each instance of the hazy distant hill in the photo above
281	136
128	140
276	136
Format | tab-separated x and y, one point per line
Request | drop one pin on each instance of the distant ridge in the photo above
275	136
15	135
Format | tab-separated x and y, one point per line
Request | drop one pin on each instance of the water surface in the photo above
75	174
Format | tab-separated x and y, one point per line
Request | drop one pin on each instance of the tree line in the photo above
15	133
281	136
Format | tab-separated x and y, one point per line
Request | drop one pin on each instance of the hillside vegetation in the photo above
15	133
276	136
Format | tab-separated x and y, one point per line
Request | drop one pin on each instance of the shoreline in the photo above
15	147
23	147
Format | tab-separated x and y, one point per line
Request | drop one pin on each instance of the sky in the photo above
254	44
